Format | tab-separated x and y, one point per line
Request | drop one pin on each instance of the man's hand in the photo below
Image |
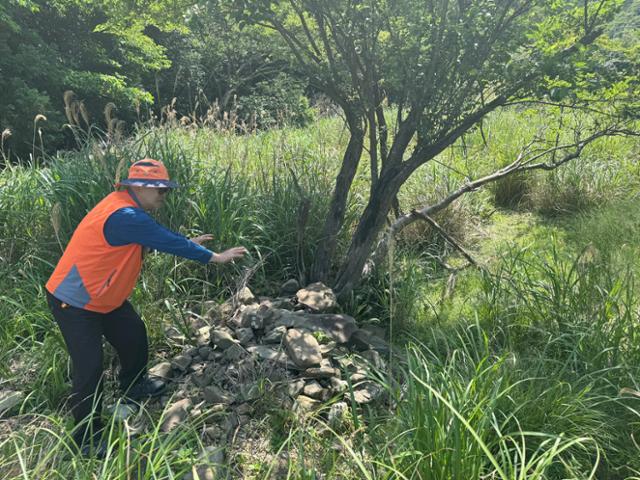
228	255
200	239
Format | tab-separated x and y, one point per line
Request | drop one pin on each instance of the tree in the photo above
243	71
441	65
98	49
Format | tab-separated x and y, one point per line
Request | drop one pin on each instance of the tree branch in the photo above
519	165
446	236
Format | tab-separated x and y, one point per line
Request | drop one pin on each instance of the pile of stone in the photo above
291	349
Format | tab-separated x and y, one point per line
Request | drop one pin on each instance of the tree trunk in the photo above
371	223
335	216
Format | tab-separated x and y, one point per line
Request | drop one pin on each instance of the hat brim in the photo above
143	182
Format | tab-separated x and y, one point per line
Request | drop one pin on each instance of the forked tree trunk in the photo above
372	221
335	217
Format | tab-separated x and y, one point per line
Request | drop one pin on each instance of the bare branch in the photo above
519	165
446	236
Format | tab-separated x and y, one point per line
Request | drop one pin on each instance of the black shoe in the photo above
145	388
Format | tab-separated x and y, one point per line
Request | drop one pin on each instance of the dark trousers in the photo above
83	331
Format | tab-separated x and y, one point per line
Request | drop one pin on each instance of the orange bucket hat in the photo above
148	173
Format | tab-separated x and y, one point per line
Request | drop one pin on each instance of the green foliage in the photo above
277	101
516	372
48	48
245	71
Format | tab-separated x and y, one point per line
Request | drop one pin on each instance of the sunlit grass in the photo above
514	371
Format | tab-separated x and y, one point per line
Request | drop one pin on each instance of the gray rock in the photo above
245	296
374	358
275	335
304	404
233	353
317	296
205	351
303	348
337	415
244	316
244	335
339	327
161	370
213	311
203	472
214	432
326	348
243	409
203	337
321	372
174	334
358	376
214	394
337	385
364	340
175	414
285	318
289	287
282	304
257	322
314	390
295	387
181	362
192	352
266	312
201	379
10	399
222	339
214	455
266	353
367	393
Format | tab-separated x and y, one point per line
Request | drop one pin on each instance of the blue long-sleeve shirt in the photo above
134	225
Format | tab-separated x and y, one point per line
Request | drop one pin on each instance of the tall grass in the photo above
513	372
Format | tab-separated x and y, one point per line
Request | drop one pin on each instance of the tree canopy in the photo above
442	66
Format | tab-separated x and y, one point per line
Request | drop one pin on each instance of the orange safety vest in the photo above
92	274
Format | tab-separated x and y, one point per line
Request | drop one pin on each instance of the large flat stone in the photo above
175	414
362	339
270	354
214	394
317	296
303	348
339	327
222	339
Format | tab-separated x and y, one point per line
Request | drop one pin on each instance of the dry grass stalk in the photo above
6	133
84	113
38	118
119	130
69	106
56	222
108	113
119	169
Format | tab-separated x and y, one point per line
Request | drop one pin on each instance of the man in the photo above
87	292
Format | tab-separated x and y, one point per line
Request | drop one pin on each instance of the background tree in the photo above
441	65
242	70
47	48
